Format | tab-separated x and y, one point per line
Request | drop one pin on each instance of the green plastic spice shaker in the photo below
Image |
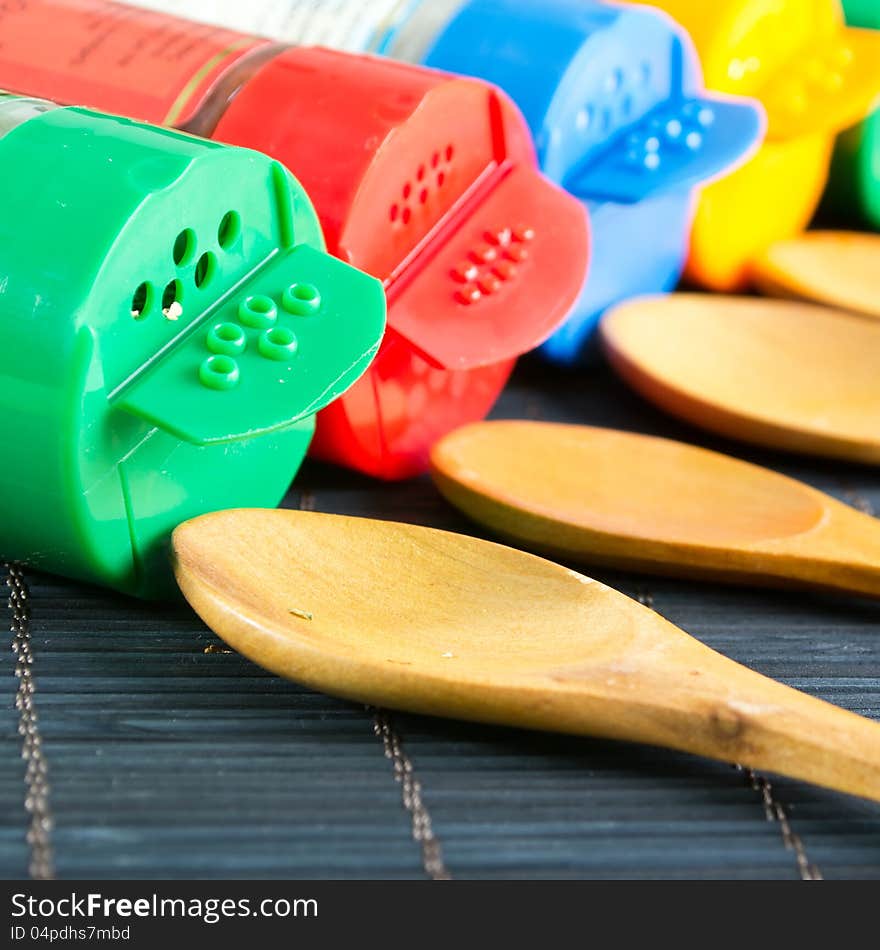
170	326
853	194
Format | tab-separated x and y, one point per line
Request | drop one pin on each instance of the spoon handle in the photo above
695	700
807	739
842	554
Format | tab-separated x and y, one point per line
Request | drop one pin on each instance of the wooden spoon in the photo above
838	268
785	375
438	623
598	496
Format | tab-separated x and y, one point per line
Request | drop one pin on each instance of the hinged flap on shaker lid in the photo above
613	94
827	88
481	256
503	281
678	145
295	336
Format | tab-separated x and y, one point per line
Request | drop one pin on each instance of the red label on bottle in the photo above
112	57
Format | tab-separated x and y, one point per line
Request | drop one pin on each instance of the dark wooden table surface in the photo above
167	757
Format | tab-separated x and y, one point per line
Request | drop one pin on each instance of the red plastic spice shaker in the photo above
424	180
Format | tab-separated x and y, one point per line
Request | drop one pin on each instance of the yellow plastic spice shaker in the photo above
815	78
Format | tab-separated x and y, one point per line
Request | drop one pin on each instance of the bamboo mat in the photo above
168	758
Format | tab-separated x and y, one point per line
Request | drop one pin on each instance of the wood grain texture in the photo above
784	375
836	268
444	624
624	500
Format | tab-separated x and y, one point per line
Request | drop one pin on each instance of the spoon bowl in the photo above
836	268
781	374
443	624
619	499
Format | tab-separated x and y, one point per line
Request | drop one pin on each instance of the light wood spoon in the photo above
781	374
598	496
837	268
438	623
